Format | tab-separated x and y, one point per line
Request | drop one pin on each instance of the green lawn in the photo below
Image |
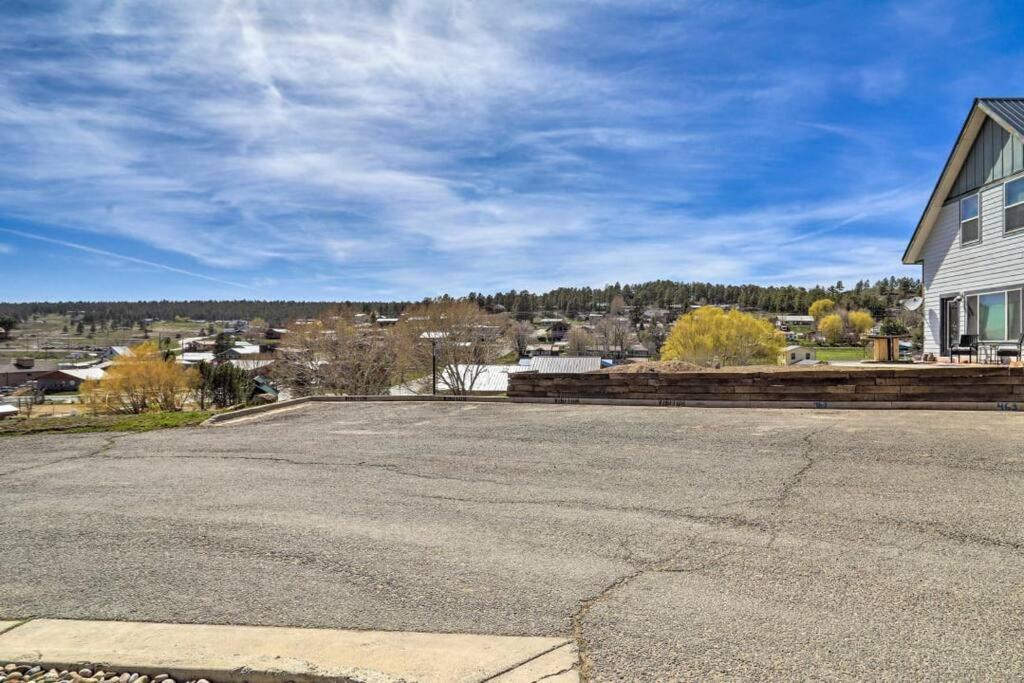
828	353
102	423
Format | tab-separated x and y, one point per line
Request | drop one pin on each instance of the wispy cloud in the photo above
122	257
413	146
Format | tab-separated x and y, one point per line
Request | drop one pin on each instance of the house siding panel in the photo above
949	269
996	154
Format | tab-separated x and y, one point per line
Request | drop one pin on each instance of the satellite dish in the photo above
913	303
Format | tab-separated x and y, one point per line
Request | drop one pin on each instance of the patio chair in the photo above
1011	350
968	346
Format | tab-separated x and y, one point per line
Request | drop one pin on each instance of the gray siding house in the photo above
970	239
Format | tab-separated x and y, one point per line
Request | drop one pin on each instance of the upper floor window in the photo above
970	225
1013	205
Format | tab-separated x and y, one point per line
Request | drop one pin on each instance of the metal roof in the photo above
492	379
565	364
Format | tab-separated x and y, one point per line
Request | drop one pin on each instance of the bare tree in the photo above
333	356
458	336
612	335
578	341
519	333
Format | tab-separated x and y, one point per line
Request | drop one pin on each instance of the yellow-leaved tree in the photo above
733	338
831	326
821	308
144	380
860	321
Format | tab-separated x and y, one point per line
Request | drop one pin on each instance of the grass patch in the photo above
828	353
77	424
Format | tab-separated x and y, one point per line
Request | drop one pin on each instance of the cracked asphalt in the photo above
672	544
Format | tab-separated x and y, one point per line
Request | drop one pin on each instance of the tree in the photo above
461	336
734	338
832	327
221	344
617	305
333	356
142	381
821	308
221	385
612	335
519	333
860	321
578	341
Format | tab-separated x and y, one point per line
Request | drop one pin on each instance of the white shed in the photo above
794	353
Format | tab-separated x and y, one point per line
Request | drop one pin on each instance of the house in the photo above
116	352
275	332
555	329
23	370
196	357
784	321
67	380
242	349
971	235
794	353
7	410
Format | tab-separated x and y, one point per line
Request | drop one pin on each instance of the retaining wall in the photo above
976	387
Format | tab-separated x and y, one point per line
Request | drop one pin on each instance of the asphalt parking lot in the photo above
670	543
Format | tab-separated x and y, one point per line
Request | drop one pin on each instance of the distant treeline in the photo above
876	297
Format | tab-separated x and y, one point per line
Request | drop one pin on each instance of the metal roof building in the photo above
565	364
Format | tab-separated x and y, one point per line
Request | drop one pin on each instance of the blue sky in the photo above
393	150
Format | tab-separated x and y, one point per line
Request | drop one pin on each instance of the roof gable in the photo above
995	154
990	146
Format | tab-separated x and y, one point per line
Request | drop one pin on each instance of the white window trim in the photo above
960	215
1019	228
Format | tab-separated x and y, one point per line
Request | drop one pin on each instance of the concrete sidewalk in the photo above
264	654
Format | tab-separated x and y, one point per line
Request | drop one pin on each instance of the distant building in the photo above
116	352
485	379
565	364
67	380
787	320
555	330
795	353
24	370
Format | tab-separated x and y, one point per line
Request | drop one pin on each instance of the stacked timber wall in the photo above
973	388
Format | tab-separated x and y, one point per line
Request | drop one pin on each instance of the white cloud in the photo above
438	142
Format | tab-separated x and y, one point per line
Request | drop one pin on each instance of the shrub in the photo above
142	381
733	338
893	328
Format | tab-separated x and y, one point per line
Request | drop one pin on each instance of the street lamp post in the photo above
433	366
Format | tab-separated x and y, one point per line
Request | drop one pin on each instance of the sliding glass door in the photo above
994	316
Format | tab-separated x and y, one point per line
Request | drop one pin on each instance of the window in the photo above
994	316
970	225
1013	205
1013	314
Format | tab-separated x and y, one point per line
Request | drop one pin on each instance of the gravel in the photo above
35	673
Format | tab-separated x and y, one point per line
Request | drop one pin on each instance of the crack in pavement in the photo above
584	660
390	467
715	520
107	445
